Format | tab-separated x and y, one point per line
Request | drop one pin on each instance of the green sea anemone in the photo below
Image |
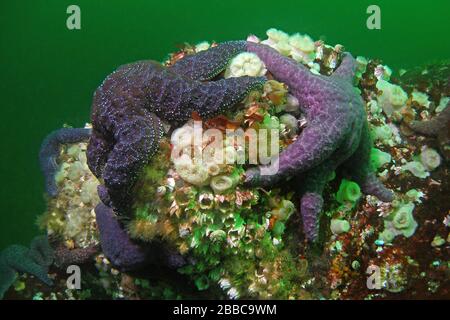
430	158
221	184
290	123
284	210
392	97
417	169
379	158
349	191
399	222
339	226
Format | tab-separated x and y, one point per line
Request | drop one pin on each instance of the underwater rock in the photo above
432	79
70	214
236	241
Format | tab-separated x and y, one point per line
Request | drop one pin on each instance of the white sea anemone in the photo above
416	168
202	46
191	171
430	158
392	98
302	48
245	64
421	99
222	183
275	36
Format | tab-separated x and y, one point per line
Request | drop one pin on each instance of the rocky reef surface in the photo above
216	236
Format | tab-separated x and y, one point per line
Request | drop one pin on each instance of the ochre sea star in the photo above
126	254
128	107
50	150
337	133
126	116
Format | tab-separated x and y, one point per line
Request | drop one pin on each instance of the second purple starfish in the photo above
337	134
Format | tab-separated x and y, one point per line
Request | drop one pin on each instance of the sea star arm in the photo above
65	257
41	251
123	252
310	207
329	112
97	152
126	116
434	126
17	257
358	167
371	185
7	278
311	202
316	143
207	64
284	69
137	139
34	260
116	245
347	68
50	151
212	98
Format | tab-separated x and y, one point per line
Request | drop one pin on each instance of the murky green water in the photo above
48	73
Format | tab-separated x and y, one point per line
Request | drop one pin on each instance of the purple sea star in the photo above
50	151
438	127
65	257
337	134
128	107
125	253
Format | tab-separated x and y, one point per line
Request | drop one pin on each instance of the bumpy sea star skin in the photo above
41	251
336	131
116	244
65	257
435	126
438	127
207	64
50	149
124	253
34	260
129	105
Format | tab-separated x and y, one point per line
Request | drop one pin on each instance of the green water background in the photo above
49	73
